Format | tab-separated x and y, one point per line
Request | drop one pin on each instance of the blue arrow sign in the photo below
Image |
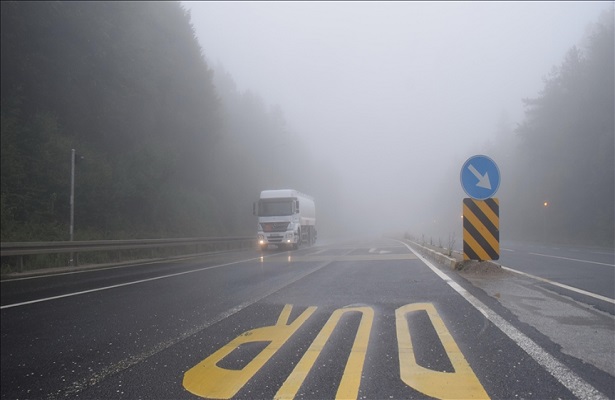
480	177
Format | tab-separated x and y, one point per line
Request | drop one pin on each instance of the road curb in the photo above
451	262
437	256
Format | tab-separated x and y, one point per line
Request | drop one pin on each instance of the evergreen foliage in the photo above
561	153
127	85
567	142
170	149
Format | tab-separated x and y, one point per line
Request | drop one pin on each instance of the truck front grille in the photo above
274	226
275	238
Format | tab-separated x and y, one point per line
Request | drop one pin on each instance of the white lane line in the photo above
581	291
125	284
130	361
95	269
559	371
318	252
601	252
507	249
573	259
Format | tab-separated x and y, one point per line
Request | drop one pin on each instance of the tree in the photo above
567	140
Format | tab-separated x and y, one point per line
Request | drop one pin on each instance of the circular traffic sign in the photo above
480	177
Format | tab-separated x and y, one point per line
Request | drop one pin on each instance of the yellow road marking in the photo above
461	384
351	379
206	379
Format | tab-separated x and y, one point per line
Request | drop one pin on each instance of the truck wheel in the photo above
296	245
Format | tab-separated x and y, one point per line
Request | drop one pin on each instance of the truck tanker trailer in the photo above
286	218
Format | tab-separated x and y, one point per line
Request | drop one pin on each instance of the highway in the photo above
370	319
590	269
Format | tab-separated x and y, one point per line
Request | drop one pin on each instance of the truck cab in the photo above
286	218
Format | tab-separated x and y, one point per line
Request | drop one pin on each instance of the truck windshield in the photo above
271	208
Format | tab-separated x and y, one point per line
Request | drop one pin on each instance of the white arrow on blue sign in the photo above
480	177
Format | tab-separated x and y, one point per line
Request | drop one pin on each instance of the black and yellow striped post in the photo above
481	229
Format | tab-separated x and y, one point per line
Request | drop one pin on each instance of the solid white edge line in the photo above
101	268
559	371
128	362
573	289
84	271
124	284
573	259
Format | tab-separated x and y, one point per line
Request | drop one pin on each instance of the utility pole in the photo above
72	199
544	221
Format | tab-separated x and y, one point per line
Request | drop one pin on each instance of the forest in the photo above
562	184
169	147
163	149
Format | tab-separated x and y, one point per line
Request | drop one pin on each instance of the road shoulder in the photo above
579	329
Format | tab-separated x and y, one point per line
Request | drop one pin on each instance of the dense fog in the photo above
182	112
394	96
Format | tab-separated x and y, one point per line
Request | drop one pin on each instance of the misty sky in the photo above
392	93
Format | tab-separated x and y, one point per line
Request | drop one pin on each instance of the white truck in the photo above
286	218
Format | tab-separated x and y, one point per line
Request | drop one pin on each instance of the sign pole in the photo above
480	179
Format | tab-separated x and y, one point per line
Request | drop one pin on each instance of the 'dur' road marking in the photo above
461	384
207	379
349	385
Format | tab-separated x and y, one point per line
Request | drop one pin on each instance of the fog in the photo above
394	96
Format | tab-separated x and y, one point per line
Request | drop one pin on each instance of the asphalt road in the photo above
586	268
368	319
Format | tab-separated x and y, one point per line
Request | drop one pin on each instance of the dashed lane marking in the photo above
130	361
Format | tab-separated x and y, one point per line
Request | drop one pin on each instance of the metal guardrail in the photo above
27	248
20	249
